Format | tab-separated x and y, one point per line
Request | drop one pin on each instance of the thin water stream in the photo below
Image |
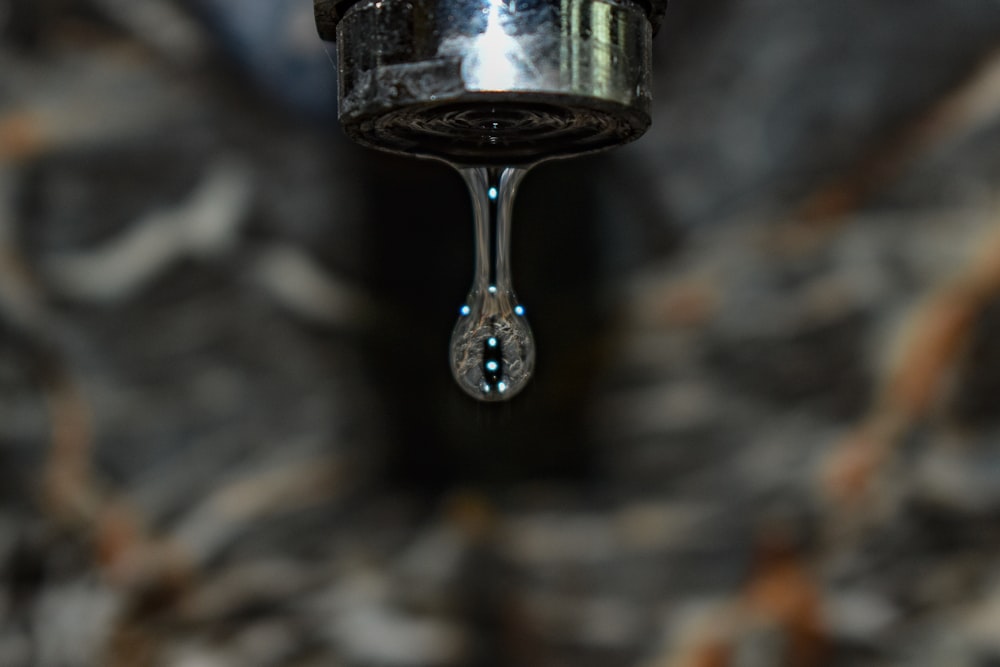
492	349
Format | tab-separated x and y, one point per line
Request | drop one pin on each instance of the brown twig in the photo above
782	595
974	101
930	344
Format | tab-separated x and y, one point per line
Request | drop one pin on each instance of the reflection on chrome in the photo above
496	59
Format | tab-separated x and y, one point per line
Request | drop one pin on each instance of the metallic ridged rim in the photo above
546	78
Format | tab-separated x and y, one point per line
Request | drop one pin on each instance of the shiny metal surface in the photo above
491	81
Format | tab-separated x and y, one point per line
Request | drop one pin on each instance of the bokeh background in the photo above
764	429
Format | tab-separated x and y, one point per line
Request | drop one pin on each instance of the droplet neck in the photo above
492	190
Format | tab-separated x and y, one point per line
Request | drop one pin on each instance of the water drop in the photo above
492	347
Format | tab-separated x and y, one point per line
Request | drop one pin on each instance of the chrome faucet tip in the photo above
492	81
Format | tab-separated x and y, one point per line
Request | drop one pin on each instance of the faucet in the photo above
492	87
492	82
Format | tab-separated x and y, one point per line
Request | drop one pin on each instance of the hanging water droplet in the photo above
492	347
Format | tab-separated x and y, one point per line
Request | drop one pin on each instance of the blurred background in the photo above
765	427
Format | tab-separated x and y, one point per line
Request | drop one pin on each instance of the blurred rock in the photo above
763	427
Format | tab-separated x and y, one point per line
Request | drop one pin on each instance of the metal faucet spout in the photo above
492	82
